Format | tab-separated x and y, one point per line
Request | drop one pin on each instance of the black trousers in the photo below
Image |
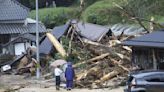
57	80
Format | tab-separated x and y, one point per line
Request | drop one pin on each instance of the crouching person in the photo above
69	75
57	73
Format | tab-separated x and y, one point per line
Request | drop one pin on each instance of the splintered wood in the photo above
109	61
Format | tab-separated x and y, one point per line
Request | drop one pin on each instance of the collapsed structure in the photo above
17	31
103	58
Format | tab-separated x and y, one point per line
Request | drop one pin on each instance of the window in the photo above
154	78
4	39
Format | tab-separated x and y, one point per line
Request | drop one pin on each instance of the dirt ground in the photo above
16	83
52	89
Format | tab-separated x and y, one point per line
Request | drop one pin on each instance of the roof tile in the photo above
12	10
14	28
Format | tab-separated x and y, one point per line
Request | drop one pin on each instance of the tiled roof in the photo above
46	45
60	30
90	31
154	39
13	28
12	10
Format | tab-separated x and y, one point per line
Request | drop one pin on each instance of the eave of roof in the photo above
17	28
154	39
21	36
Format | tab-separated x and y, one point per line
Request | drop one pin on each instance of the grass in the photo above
103	12
54	16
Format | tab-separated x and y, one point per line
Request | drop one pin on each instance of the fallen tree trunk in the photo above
91	60
122	56
127	48
121	66
114	42
93	43
105	49
70	42
98	50
56	44
94	70
108	76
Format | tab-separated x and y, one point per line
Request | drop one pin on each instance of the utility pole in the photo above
37	43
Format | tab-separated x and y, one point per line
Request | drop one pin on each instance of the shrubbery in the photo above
103	12
54	16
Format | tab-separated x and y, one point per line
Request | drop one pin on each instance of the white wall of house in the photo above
19	48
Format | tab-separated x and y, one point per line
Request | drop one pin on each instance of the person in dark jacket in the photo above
69	75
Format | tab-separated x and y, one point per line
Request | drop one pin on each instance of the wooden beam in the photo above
154	60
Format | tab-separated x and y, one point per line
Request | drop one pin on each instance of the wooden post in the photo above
151	24
154	60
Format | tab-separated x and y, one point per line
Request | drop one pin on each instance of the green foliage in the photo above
103	12
90	2
143	8
42	3
77	54
54	16
31	3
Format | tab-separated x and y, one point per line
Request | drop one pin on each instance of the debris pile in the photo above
107	63
101	57
108	59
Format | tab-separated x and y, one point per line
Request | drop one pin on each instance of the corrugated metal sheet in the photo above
11	28
117	29
12	10
91	31
154	39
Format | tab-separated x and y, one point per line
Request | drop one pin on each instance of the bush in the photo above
54	16
103	12
87	2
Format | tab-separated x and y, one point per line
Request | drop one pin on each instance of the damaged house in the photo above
148	50
17	32
83	32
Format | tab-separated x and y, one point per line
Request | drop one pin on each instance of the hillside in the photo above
104	12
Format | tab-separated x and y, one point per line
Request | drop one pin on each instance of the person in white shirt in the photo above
57	72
